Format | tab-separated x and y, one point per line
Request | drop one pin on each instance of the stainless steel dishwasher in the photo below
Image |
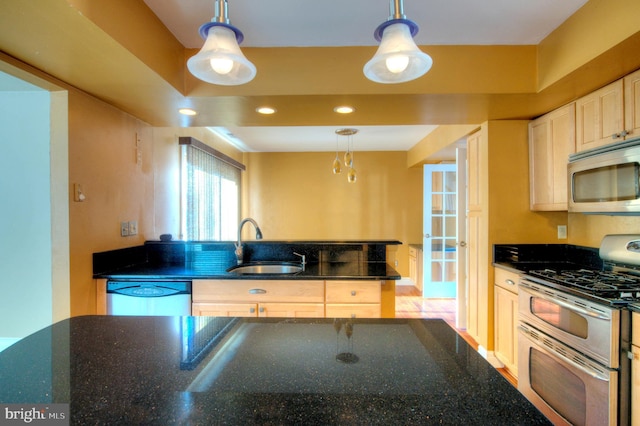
144	297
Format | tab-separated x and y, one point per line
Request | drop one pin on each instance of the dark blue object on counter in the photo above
205	370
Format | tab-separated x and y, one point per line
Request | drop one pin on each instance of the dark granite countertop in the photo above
205	370
325	260
527	257
312	271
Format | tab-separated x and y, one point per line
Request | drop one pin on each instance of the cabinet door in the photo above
291	310
600	117
358	310
224	309
506	336
635	385
632	105
551	140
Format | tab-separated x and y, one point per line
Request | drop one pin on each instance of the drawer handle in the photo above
257	291
252	310
353	292
510	282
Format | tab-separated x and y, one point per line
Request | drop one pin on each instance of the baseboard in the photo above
5	342
405	281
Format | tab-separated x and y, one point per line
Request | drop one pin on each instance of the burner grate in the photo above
607	284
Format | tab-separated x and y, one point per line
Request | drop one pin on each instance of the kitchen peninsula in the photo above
205	370
325	261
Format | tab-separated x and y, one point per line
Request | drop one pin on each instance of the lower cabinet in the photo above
415	267
288	310
286	298
635	369
506	319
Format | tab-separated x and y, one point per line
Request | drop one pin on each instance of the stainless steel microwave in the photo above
606	180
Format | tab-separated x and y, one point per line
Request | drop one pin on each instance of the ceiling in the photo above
312	23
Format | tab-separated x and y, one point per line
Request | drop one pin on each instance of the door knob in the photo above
427	235
462	244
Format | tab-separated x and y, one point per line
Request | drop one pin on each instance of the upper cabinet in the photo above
551	140
600	117
632	105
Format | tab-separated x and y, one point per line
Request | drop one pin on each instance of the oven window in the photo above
559	317
611	183
558	387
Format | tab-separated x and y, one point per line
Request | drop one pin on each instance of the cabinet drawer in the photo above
258	291
507	280
353	291
357	310
224	309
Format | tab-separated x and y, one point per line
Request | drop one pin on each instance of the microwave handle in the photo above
567	305
582	367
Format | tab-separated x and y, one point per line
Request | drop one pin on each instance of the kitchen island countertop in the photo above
206	370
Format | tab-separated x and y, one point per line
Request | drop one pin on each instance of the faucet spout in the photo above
239	251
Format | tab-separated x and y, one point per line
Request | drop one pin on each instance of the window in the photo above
210	192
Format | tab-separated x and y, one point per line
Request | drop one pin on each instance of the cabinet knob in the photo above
252	310
261	309
510	282
353	292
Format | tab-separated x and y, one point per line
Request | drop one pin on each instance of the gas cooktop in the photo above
613	286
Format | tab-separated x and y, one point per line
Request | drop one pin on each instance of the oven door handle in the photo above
547	348
577	308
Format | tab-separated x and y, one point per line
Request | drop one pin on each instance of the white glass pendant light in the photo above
398	59
220	61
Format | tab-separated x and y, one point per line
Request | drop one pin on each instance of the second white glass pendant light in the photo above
398	59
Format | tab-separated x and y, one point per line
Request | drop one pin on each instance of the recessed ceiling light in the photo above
187	111
266	110
344	109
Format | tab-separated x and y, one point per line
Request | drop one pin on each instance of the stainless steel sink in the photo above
266	268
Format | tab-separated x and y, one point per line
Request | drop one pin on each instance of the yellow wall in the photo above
128	171
588	230
296	196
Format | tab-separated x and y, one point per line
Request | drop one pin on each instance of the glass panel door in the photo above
439	231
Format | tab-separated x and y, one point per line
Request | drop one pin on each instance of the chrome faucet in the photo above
239	251
303	259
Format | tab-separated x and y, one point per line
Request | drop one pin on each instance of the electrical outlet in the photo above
124	229
133	227
562	232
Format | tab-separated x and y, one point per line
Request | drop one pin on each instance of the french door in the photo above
439	231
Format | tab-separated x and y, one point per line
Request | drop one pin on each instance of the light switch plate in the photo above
133	227
562	232
124	229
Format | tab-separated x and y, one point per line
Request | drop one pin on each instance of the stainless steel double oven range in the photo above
574	336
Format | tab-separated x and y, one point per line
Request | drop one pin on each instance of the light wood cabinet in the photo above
353	299
551	140
600	117
258	298
506	319
632	105
415	267
287	298
635	369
